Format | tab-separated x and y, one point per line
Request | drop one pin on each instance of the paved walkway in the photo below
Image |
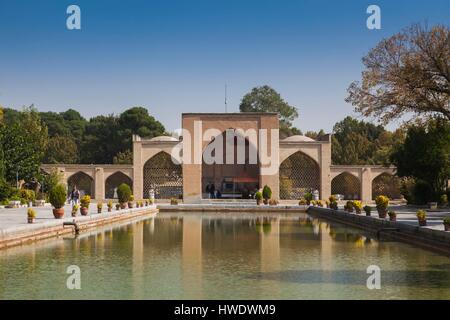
407	214
17	217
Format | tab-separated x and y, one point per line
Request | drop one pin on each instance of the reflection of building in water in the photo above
138	250
192	257
326	246
270	250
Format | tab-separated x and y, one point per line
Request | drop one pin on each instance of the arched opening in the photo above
114	181
347	185
235	178
386	184
298	174
83	182
163	176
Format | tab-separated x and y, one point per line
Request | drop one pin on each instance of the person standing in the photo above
75	195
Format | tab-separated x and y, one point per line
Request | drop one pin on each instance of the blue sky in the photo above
176	56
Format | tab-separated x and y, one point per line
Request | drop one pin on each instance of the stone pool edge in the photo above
29	233
221	208
434	240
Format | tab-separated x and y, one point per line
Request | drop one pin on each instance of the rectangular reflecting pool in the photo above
223	256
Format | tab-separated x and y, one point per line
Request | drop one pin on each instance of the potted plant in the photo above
273	202
57	197
333	205
447	224
357	205
367	210
392	216
267	194
151	202
173	201
327	203
258	197
308	197
84	205
382	203
302	202
349	206
110	205
130	201
31	214
118	206
75	208
99	207
319	203
124	195
422	217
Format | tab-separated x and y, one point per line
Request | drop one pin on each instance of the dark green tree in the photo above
425	154
266	99
61	150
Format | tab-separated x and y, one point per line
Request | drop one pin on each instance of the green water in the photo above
232	256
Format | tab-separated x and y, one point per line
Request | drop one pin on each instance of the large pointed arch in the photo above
114	181
386	184
163	175
346	184
236	179
299	174
83	182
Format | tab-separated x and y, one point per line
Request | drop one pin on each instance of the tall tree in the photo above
61	150
355	142
406	73
24	143
266	99
425	154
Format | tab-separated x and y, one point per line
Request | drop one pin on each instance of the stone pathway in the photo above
17	217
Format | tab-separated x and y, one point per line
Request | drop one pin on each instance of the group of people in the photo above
212	192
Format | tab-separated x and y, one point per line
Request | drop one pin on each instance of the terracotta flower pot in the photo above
265	201
422	222
392	218
74	213
30	220
447	226
58	213
258	202
123	205
109	209
130	205
99	210
84	211
382	214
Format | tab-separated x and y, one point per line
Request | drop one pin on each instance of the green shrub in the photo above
6	191
443	200
332	198
447	220
28	195
124	193
267	192
57	196
258	195
308	197
367	209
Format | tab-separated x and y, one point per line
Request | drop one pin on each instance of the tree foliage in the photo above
406	73
61	150
359	142
266	99
24	143
425	154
